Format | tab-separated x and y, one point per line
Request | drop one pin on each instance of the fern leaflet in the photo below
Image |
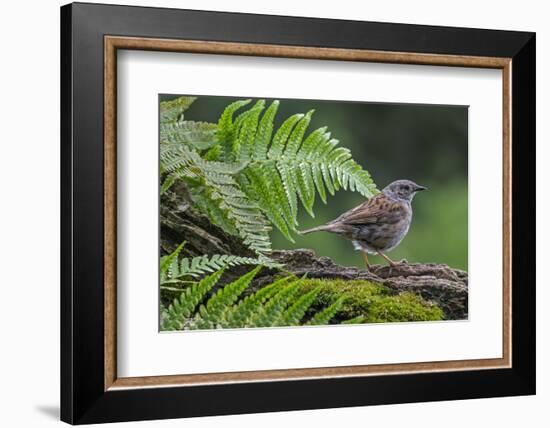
210	315
294	314
181	308
173	270
172	111
323	317
239	315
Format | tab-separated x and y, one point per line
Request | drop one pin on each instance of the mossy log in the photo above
438	283
445	286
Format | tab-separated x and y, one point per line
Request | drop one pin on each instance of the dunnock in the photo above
380	223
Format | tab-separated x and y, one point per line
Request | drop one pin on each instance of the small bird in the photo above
378	224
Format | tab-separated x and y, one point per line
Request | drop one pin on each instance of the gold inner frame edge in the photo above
113	43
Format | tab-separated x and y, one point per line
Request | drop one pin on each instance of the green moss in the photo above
403	307
372	302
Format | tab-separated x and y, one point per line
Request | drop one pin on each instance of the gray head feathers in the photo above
403	190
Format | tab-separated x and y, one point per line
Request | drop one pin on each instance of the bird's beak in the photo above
420	188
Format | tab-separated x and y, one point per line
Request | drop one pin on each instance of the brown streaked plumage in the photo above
378	224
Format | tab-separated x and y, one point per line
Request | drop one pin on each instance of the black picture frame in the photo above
83	398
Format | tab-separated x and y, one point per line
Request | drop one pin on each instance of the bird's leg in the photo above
390	261
366	258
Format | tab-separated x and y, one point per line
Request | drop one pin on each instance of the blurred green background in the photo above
424	143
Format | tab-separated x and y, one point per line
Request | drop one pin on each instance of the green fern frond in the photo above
211	208
174	270
226	131
167	183
214	153
239	315
183	306
199	266
280	303
172	111
244	141
289	188
167	262
261	189
281	136
211	314
175	158
252	178
323	317
265	130
200	135
292	165
297	135
271	312
294	314
304	187
225	197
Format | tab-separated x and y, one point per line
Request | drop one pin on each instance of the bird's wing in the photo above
378	210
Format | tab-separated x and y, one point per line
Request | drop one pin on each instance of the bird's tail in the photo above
325	227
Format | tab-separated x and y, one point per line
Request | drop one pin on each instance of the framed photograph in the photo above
266	213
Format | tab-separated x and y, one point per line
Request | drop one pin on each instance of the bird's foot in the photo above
390	261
